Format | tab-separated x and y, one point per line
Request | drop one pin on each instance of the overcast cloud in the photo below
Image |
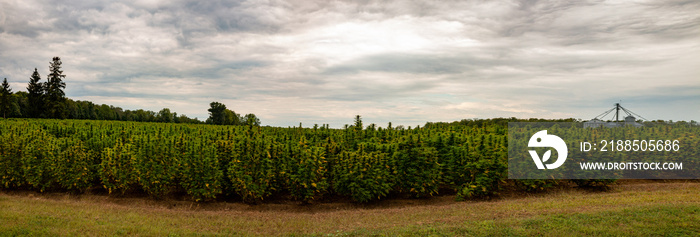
407	62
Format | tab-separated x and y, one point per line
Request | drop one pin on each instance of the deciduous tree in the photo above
251	119
217	113
165	116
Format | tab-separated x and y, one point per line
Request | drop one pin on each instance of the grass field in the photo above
636	208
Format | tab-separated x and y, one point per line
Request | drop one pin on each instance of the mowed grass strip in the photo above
632	209
654	220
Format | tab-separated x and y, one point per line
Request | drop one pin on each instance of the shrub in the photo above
251	171
10	161
38	162
74	169
486	171
201	174
418	172
363	176
156	166
225	152
307	169
116	170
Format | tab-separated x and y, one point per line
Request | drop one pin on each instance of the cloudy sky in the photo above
407	62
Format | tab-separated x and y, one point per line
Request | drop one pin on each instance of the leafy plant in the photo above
364	176
117	169
307	170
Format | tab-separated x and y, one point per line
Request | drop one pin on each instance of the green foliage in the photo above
37	162
358	123
364	176
250	120
55	97
35	95
156	166
307	172
251	171
226	151
5	99
10	161
201	174
486	177
220	115
455	166
475	168
47	100
116	170
417	169
254	163
74	169
597	183
535	185
165	116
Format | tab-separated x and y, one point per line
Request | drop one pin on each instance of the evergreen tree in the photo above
5	98
55	97
36	95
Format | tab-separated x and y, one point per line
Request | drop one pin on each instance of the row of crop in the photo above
249	165
254	163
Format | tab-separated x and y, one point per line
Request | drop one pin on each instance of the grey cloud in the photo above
407	63
668	95
16	20
231	16
376	92
257	55
593	23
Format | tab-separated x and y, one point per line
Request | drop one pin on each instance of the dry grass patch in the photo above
61	214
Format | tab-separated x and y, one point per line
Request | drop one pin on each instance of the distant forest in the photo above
47	100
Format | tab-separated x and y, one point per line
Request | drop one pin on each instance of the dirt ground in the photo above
329	204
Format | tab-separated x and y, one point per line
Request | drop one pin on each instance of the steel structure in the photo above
616	121
616	116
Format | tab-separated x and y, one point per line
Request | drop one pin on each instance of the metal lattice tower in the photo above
616	116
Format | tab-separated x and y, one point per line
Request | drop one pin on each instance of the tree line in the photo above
48	100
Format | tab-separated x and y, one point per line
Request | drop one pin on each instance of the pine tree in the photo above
55	97
36	95
5	98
